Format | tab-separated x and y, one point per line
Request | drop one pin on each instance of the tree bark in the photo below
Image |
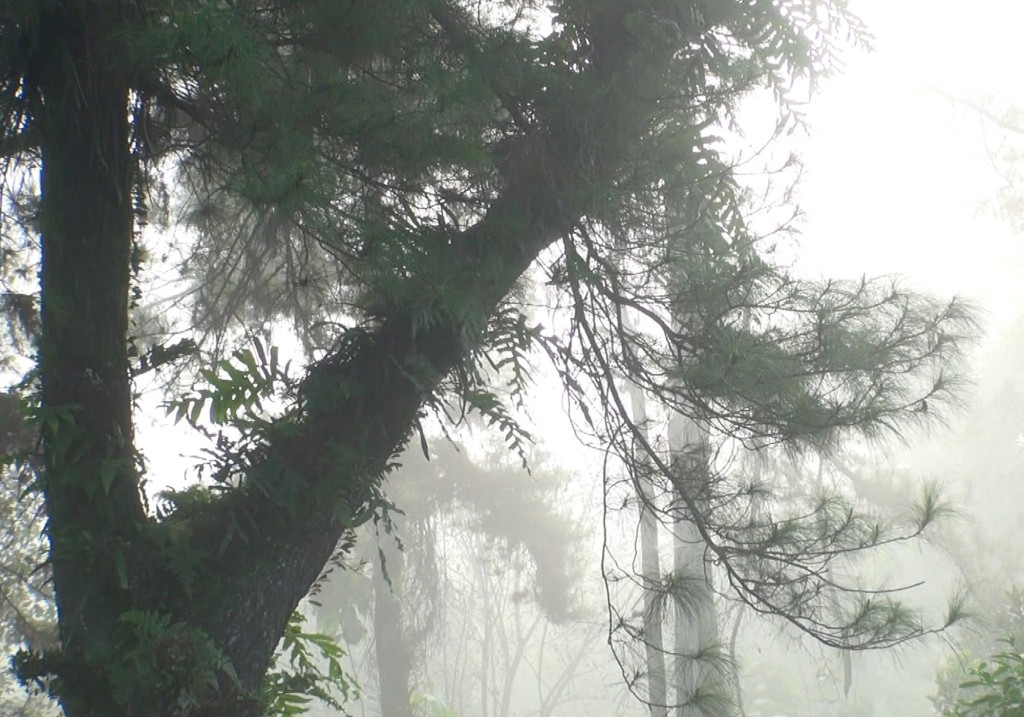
90	480
650	573
394	660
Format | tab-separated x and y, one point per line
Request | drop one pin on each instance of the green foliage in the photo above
167	663
235	389
235	399
431	706
313	671
1005	627
504	357
994	688
493	410
58	423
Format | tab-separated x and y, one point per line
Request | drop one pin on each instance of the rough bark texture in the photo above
93	504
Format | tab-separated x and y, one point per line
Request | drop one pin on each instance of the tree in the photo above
652	633
1002	130
383	175
792	541
472	544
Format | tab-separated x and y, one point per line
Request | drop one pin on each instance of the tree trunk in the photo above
650	569
86	218
393	658
695	622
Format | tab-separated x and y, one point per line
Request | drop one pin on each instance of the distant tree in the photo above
383	175
509	546
750	357
1002	125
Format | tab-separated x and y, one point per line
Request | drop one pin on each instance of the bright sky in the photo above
896	174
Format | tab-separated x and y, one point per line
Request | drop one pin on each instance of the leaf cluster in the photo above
993	688
163	662
313	671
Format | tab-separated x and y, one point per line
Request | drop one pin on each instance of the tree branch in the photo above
360	404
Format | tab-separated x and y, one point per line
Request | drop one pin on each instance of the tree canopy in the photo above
388	177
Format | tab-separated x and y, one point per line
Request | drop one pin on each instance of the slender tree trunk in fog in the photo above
393	658
485	646
650	568
695	623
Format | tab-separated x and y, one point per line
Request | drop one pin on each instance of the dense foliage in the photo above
993	688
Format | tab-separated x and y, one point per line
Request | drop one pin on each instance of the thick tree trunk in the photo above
86	216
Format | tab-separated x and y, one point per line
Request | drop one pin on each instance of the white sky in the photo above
895	174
